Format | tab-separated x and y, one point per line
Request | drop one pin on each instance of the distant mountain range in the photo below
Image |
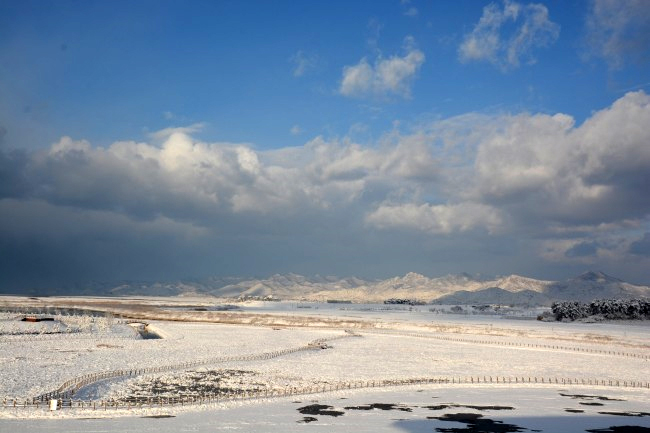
450	289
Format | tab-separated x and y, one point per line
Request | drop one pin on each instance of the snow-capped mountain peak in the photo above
596	276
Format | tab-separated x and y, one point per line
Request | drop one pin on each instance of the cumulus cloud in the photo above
391	76
597	172
619	31
505	36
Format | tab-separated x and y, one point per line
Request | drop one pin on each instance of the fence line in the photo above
69	387
510	344
69	403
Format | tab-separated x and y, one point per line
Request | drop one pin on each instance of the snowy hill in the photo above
516	283
595	285
290	286
495	295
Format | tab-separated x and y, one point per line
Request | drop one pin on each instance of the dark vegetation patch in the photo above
148	334
574	410
195	384
612	309
475	424
622	429
319	409
467	406
591	403
636	414
159	416
308	419
591	397
381	406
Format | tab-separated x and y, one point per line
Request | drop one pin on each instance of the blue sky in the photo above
167	139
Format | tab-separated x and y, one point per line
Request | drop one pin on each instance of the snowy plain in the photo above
389	343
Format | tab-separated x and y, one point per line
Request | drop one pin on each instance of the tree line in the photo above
611	309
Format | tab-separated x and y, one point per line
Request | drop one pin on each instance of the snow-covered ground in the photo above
544	409
398	343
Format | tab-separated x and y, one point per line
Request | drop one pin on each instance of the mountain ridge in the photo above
452	288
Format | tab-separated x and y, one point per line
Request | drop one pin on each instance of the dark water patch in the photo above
475	424
590	397
158	416
467	406
459	417
590	403
381	406
622	429
307	420
574	410
319	409
636	414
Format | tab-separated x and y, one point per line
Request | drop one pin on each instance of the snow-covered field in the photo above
366	344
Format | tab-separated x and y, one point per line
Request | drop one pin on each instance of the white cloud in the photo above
597	173
619	31
547	171
411	12
436	219
303	63
295	130
357	79
191	129
492	41
393	75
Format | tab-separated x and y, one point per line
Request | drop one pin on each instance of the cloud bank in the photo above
525	188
